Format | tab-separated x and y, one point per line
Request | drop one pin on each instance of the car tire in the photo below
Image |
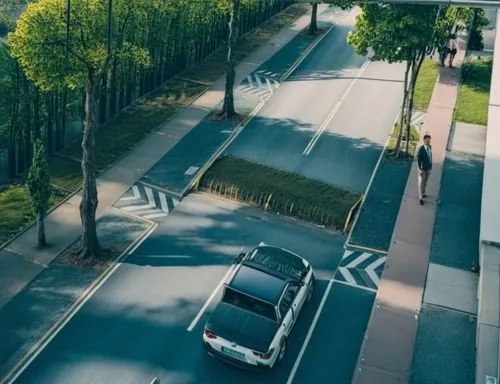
281	353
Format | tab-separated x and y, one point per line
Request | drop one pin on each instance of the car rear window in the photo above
249	303
279	260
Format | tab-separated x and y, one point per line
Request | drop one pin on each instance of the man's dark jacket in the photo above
423	160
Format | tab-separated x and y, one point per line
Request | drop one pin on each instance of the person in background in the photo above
452	48
424	163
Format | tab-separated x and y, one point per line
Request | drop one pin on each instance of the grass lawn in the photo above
474	93
279	191
426	81
15	209
120	134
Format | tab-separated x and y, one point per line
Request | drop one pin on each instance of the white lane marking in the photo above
128	198
333	112
376	263
163	202
373	275
133	208
207	303
149	211
259	82
135	189
249	79
310	332
356	286
191	170
347	275
151	199
79	306
155	215
358	260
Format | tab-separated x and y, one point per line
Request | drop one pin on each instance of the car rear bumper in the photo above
233	361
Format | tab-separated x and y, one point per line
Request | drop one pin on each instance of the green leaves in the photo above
39	41
38	181
393	32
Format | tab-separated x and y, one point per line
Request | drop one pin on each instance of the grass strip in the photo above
279	191
16	211
424	87
474	93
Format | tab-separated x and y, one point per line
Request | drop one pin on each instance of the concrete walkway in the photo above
387	351
20	262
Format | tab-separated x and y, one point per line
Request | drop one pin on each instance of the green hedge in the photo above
279	191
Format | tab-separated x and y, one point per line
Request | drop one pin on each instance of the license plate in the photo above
233	353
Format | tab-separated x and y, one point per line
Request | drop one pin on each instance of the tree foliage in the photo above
403	33
39	44
39	188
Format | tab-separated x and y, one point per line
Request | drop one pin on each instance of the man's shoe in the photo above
421	202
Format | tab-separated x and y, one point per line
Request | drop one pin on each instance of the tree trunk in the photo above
313	25
228	110
416	69
42	241
397	150
90	245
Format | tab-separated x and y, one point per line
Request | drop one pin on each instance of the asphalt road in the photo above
135	326
331	118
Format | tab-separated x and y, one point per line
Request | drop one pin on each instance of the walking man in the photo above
424	163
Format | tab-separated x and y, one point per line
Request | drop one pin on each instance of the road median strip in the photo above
281	192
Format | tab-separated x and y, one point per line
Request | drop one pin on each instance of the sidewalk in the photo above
20	262
387	351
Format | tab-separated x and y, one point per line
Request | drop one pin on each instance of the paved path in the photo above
386	355
63	224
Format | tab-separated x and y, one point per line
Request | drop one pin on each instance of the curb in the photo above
38	347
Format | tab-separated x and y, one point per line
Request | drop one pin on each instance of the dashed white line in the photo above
333	112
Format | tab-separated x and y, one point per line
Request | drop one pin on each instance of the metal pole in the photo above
110	9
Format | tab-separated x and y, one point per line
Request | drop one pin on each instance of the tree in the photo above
233	8
39	187
397	33
39	44
313	23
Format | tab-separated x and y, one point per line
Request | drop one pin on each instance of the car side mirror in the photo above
238	259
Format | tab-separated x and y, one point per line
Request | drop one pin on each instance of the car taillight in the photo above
264	356
209	334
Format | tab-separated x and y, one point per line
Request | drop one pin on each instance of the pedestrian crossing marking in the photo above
146	202
260	83
360	269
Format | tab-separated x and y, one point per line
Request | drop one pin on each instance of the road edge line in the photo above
368	187
49	335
